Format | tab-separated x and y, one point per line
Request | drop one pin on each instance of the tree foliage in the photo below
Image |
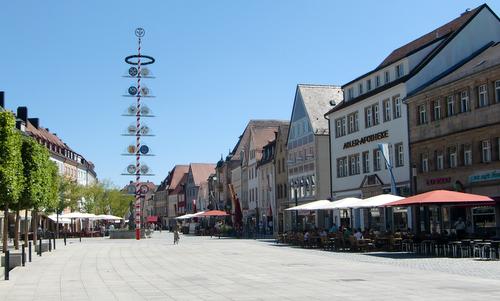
11	166
34	157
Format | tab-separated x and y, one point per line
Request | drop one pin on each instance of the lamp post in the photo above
296	204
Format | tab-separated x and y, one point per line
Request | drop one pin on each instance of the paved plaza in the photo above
204	268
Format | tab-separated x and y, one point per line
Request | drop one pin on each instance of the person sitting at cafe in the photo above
323	233
347	232
358	235
306	236
333	228
460	228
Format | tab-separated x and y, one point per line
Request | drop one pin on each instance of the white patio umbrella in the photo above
53	217
185	216
341	204
378	201
310	206
78	215
107	217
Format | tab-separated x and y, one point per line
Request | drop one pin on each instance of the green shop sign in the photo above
485	176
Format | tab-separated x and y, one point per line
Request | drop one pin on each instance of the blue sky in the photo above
219	64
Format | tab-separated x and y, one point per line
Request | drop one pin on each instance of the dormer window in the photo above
360	88
350	93
387	77
368	85
377	81
399	71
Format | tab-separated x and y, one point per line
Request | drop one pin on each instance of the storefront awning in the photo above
152	219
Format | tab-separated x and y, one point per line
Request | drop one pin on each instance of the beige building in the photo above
455	138
281	176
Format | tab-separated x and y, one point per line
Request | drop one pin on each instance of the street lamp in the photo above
295	186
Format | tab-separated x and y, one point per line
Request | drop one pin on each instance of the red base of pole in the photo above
137	234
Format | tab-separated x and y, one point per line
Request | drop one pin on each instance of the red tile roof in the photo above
44	134
428	38
201	171
176	175
261	137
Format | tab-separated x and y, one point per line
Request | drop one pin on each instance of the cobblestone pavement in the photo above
203	268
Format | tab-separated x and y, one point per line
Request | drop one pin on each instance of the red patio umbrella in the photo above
441	197
213	213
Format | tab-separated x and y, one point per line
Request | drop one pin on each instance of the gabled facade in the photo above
281	176
266	174
373	111
307	145
171	192
197	175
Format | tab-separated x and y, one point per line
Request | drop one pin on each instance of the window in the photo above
464	101
368	117
422	114
387	77
497	91
437	109
366	162
399	71
424	163
340	127
450	106
360	88
342	167
350	93
399	154
377	81
377	157
482	96
387	110
452	157
439	161
486	151
376	119
368	85
397	106
467	154
354	164
353	122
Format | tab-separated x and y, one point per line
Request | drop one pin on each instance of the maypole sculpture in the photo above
139	129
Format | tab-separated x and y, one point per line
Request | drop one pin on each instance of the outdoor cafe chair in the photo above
465	248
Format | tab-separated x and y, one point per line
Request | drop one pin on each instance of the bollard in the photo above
50	245
23	254
54	240
29	251
7	264
40	246
80	236
64	238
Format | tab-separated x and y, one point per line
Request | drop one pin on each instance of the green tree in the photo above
11	167
34	157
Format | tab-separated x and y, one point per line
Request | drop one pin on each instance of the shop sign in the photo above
437	181
490	175
366	139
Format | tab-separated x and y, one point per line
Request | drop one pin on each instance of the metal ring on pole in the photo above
129	58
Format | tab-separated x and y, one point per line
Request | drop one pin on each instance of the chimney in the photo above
22	113
34	122
2	100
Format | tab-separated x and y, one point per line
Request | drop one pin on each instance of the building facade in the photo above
372	111
281	176
197	175
267	188
455	139
308	164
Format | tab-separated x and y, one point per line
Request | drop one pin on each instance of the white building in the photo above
308	146
373	111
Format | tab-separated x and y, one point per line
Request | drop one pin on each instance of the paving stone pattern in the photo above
204	268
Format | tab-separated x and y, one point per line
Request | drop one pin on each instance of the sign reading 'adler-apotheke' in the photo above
369	138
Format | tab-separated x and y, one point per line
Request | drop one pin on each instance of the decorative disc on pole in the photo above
137	110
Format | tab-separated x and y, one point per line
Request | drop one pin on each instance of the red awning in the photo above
443	197
213	213
152	219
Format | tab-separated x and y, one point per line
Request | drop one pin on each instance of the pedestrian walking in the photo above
176	236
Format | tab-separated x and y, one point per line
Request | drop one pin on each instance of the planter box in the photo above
118	234
15	260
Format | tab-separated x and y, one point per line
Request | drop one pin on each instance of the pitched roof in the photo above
261	137
319	99
201	171
44	134
245	136
428	38
178	187
176	175
484	59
